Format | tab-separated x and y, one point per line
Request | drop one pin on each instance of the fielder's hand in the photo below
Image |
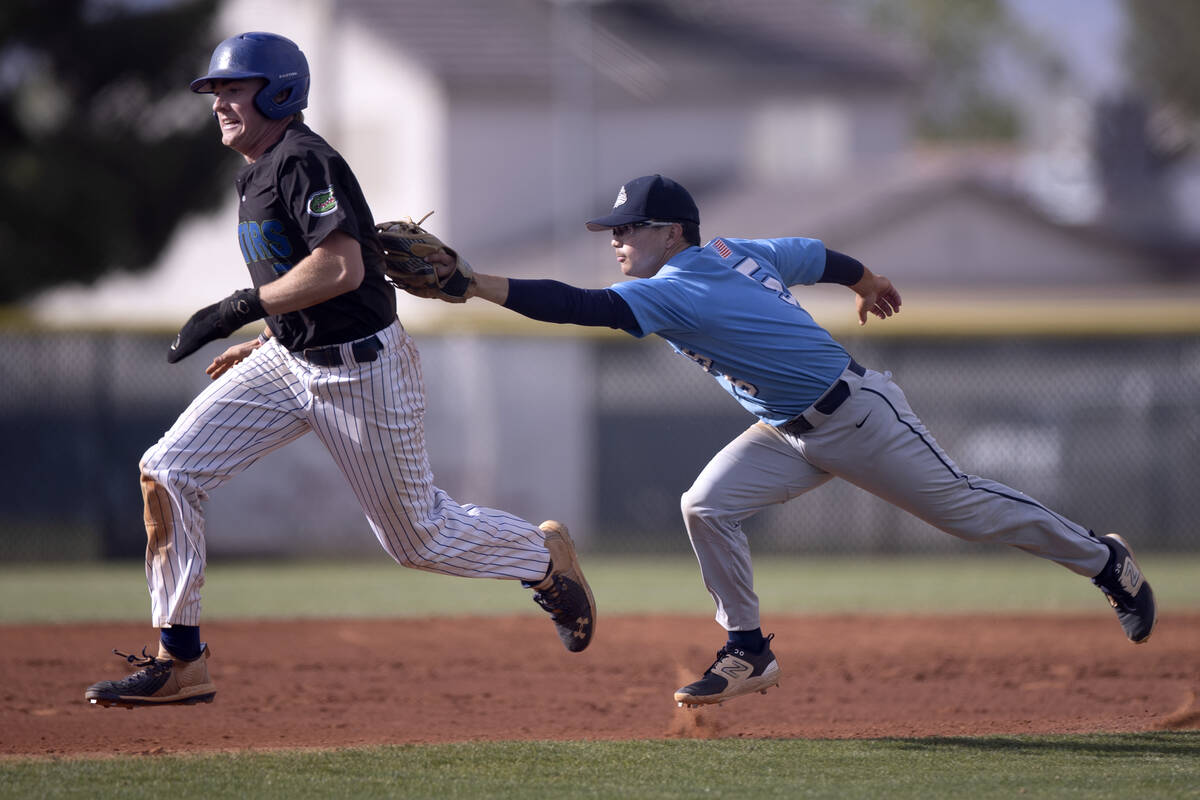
877	296
216	322
409	252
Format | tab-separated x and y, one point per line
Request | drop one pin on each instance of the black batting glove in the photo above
216	322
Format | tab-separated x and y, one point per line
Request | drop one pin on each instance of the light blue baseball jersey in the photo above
727	307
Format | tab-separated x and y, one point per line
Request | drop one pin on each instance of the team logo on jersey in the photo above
722	248
621	198
322	203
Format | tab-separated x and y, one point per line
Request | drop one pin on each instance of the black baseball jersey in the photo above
292	197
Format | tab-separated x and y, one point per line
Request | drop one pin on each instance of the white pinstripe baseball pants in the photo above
370	417
875	441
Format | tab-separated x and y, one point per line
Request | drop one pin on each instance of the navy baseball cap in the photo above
649	197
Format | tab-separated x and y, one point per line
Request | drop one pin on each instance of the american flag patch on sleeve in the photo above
722	248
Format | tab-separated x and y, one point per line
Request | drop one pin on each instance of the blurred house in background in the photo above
515	120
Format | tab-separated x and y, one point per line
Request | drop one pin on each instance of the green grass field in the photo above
1159	765
378	588
1148	765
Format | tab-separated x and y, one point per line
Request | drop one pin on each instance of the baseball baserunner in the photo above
333	361
727	306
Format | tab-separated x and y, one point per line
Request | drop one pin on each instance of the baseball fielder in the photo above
727	307
333	361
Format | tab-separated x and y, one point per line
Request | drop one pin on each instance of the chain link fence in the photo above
1104	430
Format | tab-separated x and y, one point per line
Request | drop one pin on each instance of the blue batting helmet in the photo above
262	55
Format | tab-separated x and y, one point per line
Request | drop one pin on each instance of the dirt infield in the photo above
351	683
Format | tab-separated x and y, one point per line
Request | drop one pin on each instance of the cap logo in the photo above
621	198
322	203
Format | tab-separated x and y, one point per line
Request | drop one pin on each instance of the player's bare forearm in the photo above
334	267
492	288
875	295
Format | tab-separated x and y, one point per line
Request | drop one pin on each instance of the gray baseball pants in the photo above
875	441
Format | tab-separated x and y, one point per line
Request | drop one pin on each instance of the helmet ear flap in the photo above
280	98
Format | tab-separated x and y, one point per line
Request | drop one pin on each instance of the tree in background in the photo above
103	150
1164	49
1164	55
1142	134
957	38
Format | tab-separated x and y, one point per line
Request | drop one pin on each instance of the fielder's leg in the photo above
754	471
876	442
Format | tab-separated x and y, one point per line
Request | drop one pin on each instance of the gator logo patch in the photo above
322	203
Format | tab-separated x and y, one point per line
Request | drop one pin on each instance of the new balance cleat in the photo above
735	672
1128	591
160	680
564	593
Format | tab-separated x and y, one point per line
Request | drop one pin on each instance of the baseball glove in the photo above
406	245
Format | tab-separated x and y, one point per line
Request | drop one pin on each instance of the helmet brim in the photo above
205	85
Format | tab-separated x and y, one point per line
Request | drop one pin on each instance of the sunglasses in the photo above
621	231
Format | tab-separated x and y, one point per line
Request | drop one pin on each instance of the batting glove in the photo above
216	322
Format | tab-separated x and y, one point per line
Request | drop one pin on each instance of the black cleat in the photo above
734	673
1127	590
565	593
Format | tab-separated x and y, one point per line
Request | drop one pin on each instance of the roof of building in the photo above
918	193
635	47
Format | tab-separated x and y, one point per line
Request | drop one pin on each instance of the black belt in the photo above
830	402
363	350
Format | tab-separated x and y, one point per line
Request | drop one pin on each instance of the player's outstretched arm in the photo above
875	295
492	288
545	300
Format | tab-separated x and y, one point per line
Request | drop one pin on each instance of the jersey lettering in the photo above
272	231
257	246
745	387
751	269
706	364
263	241
253	248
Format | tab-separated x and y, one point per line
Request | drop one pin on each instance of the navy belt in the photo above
830	402
363	350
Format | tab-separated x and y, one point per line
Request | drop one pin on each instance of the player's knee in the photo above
161	482
423	560
695	505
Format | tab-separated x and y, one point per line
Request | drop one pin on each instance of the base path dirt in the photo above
345	683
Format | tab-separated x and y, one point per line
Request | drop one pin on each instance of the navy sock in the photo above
747	640
182	641
531	584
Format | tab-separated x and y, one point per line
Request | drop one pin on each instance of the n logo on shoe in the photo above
733	668
1131	578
